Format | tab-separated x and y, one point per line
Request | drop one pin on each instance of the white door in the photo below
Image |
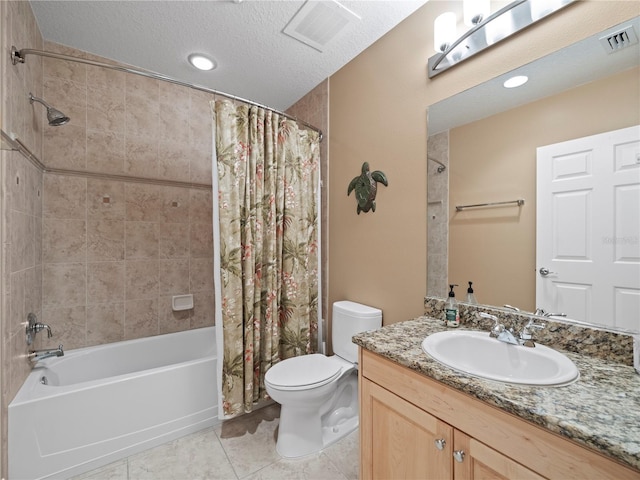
588	228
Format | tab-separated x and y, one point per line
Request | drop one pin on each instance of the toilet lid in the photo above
303	372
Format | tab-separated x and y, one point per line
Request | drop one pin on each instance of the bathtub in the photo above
99	404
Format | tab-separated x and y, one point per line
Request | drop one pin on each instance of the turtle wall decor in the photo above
366	187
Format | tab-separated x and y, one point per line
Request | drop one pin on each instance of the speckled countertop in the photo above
600	411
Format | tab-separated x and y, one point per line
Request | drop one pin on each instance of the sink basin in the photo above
477	354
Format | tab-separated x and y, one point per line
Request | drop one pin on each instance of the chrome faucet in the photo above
505	335
543	313
37	355
34	326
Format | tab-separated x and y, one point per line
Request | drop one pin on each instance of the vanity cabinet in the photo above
412	426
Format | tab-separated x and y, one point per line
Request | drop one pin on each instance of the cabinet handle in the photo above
458	455
440	443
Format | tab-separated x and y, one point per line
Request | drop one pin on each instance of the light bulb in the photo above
474	11
201	62
444	31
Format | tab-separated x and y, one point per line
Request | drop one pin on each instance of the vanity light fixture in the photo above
201	62
515	81
486	29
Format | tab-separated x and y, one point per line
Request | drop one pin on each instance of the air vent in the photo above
620	39
317	22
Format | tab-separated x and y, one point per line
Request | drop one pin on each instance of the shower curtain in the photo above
265	173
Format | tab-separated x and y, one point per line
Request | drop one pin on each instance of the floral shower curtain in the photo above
266	175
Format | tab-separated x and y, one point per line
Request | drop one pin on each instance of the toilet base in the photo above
307	430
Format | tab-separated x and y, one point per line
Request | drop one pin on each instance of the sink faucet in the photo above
543	313
37	355
505	335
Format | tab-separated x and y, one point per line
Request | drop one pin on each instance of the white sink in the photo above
477	354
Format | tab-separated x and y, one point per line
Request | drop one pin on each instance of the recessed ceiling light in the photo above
516	81
201	62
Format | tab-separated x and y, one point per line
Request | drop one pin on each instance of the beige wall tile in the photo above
141	240
63	284
72	71
64	240
203	314
201	275
170	321
201	120
105	282
68	325
105	151
67	96
173	276
22	238
65	197
201	207
142	106
65	147
141	318
141	156
141	279
106	106
174	241
173	160
105	199
105	239
105	323
175	205
143	202
200	165
201	238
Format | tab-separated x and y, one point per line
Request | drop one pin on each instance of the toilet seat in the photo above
304	372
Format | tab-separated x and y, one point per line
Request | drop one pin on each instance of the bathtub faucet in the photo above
37	355
34	326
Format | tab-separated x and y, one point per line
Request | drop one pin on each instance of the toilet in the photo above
319	394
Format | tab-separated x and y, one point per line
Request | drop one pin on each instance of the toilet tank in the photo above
348	319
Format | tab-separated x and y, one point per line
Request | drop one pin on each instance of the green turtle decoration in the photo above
366	186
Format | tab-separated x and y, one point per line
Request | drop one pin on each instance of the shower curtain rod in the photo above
18	56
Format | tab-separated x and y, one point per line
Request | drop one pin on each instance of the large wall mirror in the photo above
482	149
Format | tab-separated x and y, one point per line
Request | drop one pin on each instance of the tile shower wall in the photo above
21	202
115	252
438	215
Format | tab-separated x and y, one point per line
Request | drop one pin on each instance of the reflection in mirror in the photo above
488	136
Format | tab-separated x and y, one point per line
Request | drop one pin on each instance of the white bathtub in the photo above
103	403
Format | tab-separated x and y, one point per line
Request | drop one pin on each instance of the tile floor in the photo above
242	448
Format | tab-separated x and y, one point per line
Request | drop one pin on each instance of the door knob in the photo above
440	443
458	455
545	271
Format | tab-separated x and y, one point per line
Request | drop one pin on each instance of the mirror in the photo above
495	247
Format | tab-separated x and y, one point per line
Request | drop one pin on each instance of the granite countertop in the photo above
600	411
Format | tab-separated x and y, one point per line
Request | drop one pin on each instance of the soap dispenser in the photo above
471	298
451	313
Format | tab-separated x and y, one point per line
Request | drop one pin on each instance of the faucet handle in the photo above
497	327
527	330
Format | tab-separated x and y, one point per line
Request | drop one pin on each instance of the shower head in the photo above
54	116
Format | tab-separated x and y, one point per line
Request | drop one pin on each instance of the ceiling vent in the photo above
319	21
619	39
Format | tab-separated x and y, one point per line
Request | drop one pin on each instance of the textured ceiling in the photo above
256	61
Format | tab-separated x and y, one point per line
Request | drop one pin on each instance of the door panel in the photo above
588	228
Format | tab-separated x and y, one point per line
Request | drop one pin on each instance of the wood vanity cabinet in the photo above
413	427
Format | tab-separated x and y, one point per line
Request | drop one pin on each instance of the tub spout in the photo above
37	355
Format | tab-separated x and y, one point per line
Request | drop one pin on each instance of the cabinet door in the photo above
476	461
399	440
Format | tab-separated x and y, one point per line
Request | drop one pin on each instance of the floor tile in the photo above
345	455
196	456
250	440
113	471
312	467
